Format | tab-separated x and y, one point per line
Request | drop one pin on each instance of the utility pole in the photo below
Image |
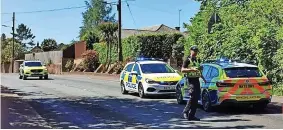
13	51
180	18
119	7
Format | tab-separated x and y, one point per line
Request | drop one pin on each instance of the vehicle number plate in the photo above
169	88
246	86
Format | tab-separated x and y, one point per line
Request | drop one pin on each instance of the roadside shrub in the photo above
90	60
149	45
69	65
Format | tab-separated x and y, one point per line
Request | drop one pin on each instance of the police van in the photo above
149	76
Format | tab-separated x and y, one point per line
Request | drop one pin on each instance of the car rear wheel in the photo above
206	104
141	91
40	77
123	90
20	77
179	95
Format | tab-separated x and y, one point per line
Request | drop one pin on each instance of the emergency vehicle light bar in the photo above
148	59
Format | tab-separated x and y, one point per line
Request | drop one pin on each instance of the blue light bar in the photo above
148	59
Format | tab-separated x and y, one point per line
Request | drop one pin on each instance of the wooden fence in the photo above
45	57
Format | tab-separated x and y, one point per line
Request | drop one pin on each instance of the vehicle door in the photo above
135	77
126	74
211	79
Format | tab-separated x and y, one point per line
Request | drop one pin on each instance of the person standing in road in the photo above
191	67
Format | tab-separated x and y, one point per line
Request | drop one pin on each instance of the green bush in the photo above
150	45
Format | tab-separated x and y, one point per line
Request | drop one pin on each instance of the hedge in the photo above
150	45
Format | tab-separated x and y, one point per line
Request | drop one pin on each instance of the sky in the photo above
64	25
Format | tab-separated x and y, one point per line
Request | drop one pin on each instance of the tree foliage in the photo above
90	60
149	45
97	12
24	36
49	45
6	51
249	30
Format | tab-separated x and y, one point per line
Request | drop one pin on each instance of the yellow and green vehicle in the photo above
229	82
33	69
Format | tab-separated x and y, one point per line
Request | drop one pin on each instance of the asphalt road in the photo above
77	101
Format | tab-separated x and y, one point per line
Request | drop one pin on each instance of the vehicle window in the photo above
156	68
129	67
33	64
209	72
136	68
242	72
214	72
205	70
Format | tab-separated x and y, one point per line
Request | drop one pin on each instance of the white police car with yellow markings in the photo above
148	76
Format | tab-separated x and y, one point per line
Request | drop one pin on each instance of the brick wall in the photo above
80	48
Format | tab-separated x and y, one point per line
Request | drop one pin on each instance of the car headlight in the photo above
150	81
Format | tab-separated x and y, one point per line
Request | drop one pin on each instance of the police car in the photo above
149	76
229	82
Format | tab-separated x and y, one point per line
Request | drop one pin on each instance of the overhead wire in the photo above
50	10
131	14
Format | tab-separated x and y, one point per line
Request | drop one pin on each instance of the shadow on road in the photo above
114	112
110	113
39	79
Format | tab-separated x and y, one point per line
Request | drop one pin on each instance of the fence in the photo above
45	57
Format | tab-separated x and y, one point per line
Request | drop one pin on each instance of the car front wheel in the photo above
141	91
123	90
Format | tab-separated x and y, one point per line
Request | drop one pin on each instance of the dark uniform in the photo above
194	86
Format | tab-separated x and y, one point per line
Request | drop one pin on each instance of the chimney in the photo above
177	28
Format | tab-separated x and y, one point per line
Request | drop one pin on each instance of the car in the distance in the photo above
148	76
33	69
229	83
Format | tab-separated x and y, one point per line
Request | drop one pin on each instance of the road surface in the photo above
78	101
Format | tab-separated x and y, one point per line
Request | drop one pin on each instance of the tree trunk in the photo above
109	55
107	50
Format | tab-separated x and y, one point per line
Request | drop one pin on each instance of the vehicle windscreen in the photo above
33	64
243	72
156	68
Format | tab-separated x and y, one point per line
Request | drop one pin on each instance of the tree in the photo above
107	32
24	36
98	11
62	46
6	51
249	30
49	45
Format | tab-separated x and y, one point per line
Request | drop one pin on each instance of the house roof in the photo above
130	32
151	29
160	28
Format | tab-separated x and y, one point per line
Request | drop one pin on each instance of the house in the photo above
36	49
161	28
